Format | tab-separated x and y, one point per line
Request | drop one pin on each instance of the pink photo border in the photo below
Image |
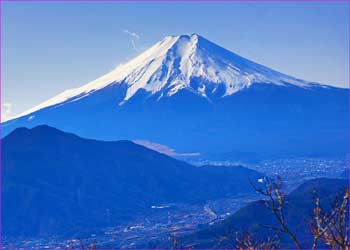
165	1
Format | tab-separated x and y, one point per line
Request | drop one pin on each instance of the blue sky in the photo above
50	47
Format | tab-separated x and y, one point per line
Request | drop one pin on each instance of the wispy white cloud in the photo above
164	149
133	37
6	110
133	34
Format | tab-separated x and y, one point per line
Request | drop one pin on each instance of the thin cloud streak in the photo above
133	37
164	149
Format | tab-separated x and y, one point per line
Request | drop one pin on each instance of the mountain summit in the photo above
194	96
188	62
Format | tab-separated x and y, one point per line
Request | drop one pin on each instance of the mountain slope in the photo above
56	182
185	88
177	62
250	218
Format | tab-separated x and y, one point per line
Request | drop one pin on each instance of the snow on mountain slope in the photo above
172	64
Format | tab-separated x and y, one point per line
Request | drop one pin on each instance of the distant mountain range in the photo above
196	97
299	208
56	183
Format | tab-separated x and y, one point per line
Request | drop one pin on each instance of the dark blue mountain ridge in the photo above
58	183
298	213
195	96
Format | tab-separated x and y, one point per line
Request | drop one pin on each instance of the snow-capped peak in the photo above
180	62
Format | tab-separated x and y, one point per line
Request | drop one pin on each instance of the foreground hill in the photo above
251	218
186	88
56	182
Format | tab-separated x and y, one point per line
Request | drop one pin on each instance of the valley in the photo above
144	231
171	221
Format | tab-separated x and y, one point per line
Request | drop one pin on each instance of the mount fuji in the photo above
197	97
